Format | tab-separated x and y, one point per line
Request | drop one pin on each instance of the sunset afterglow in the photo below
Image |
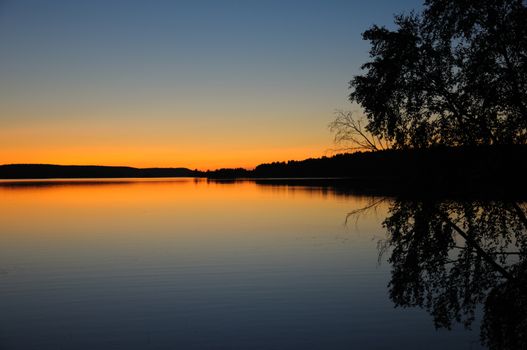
208	85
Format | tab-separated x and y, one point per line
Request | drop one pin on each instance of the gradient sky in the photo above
200	84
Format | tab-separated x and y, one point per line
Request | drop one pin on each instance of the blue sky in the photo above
272	69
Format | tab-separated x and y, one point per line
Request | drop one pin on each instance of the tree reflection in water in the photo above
449	257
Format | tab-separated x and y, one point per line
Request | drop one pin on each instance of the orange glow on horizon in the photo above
167	144
157	157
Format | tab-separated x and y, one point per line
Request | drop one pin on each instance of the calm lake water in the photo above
194	264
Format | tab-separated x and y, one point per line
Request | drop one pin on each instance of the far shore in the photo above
490	170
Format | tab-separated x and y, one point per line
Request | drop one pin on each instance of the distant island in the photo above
51	171
494	169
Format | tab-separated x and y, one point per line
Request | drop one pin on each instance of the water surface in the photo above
194	264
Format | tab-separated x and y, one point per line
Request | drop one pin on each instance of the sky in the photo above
198	84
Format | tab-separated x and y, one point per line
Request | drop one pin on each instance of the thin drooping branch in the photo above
350	132
357	212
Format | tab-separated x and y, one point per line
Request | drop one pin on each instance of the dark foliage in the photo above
227	173
486	171
455	74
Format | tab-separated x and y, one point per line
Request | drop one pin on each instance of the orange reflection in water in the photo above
182	216
20	197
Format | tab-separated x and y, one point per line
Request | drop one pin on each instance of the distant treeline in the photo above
477	161
500	169
495	170
48	171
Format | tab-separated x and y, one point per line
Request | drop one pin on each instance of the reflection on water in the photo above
194	264
451	257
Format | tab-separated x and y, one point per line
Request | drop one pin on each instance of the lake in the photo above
197	264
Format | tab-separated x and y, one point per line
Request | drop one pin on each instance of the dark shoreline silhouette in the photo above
50	171
484	171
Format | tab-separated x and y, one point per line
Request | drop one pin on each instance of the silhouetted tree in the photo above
449	257
454	74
